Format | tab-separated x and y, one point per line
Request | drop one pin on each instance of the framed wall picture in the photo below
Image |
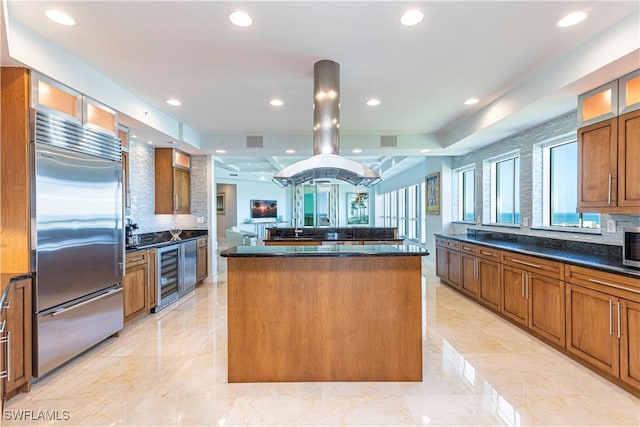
433	193
357	208
220	204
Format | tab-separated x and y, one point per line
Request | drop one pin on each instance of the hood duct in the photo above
326	161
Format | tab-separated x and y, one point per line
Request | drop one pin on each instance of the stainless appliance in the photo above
189	274
631	246
326	161
77	238
169	275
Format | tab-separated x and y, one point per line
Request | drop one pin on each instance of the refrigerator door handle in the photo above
62	310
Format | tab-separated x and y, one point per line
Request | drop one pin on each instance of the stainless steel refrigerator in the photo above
77	238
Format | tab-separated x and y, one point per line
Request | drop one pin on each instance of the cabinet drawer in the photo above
441	242
202	242
468	248
136	258
534	264
489	253
614	284
453	245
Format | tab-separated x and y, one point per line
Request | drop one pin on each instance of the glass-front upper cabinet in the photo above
598	104
629	90
55	98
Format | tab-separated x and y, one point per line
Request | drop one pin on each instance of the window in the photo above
412	215
506	191
560	188
402	212
423	213
467	199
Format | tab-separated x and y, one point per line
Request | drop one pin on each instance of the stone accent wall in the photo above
141	182
526	143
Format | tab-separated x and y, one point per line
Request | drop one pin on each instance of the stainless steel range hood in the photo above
325	162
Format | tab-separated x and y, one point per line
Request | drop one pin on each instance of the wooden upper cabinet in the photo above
629	160
598	104
172	182
629	92
123	134
55	98
597	165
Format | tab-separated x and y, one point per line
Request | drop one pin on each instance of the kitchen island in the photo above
324	313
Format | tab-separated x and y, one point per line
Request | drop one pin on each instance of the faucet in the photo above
296	231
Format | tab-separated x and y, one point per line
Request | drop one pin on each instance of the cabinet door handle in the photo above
466	248
526	286
486	253
175	201
618	319
475	267
2	326
609	195
601	282
522	284
610	317
517	261
137	259
7	340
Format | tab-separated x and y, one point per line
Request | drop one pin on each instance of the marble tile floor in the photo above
169	369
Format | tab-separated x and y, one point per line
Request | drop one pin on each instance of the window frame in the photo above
547	195
493	220
461	193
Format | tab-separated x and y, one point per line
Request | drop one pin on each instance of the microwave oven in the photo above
631	246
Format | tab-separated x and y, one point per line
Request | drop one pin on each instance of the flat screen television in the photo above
264	208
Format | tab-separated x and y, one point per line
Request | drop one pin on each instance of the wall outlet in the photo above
611	226
525	221
199	220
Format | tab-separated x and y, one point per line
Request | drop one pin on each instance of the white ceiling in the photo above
510	55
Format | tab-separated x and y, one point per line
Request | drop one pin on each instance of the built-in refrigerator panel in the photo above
78	221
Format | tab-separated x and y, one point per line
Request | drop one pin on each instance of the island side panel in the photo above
324	319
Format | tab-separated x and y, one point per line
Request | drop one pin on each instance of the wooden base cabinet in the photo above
202	258
17	338
603	323
490	288
533	294
448	261
591	328
135	284
140	283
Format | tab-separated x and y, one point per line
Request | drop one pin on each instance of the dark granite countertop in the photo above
324	251
164	238
592	255
333	233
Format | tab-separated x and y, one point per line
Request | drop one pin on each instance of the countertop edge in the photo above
334	251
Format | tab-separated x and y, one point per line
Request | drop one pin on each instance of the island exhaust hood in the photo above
325	162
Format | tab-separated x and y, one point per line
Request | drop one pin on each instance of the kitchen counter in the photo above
324	313
325	251
164	238
332	233
600	257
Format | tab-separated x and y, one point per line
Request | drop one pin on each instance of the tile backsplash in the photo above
141	183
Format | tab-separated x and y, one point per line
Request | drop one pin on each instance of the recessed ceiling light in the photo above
241	19
356	151
221	151
471	101
60	17
425	150
173	101
412	17
276	102
571	19
373	102
134	136
289	151
149	142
